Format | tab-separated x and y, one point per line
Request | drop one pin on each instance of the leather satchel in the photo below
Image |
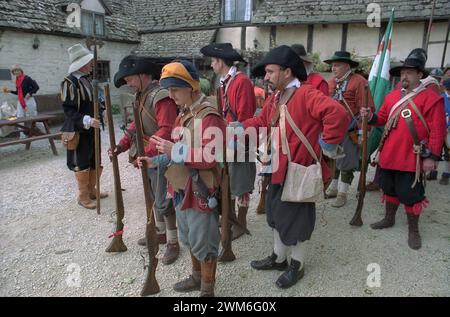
70	140
302	183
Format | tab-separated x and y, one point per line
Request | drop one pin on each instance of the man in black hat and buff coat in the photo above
238	104
324	124
78	104
158	114
414	130
348	89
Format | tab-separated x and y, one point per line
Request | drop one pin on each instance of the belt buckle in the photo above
406	113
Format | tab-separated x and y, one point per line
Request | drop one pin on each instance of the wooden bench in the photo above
56	135
50	104
28	126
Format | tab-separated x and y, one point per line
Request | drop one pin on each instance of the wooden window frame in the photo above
93	15
233	20
104	76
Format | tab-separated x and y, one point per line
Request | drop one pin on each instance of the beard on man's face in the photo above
405	83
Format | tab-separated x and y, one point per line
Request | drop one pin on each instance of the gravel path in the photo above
50	246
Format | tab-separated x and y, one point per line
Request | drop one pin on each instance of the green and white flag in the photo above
379	80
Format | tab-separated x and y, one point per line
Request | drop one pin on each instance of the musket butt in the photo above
116	245
150	288
356	222
226	255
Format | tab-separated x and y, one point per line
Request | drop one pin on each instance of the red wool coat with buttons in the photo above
241	96
313	113
318	82
397	152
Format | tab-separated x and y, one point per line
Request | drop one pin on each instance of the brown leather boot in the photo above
414	239
193	282
92	181
83	190
242	219
208	277
389	218
161	239
171	253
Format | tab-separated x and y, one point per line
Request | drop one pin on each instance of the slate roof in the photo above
161	15
47	16
183	44
343	11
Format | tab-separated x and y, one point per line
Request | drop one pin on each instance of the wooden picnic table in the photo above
28	126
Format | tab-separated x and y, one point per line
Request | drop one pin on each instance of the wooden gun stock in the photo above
226	255
357	219
117	244
227	217
151	284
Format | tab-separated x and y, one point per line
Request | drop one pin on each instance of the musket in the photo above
227	217
357	220
226	255
151	284
94	42
116	244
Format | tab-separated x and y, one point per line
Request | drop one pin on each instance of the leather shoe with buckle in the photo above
269	264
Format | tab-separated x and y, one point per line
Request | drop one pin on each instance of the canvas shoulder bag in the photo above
302	183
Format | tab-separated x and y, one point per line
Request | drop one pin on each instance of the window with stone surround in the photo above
103	71
92	23
236	11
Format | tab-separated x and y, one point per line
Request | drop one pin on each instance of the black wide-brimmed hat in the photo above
135	65
223	51
284	56
301	52
342	56
416	59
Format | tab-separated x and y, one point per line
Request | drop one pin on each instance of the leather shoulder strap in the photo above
285	116
419	114
148	94
284	99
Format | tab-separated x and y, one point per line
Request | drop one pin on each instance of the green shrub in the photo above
115	109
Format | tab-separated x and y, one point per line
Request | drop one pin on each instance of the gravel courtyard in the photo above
50	246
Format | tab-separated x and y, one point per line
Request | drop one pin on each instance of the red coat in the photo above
318	82
241	96
166	113
397	152
354	94
314	113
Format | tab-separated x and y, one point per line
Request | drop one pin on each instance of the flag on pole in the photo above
379	80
